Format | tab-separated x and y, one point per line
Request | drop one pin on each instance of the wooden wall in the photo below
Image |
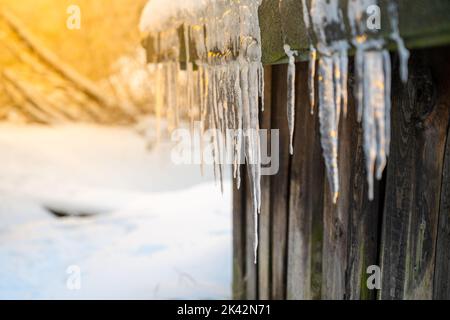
312	249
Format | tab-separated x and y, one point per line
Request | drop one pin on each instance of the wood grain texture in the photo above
305	199
442	268
363	214
251	268
280	184
313	249
265	219
414	178
239	226
336	219
441	68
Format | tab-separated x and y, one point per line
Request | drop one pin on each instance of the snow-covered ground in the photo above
156	230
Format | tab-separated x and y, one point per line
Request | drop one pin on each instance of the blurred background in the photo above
91	203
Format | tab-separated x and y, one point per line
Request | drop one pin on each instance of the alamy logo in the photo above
74	279
196	148
73	21
374	280
373	21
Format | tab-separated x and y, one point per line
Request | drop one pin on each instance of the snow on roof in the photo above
162	14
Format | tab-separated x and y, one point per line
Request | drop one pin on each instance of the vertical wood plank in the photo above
251	270
280	184
364	216
442	263
305	199
350	225
265	222
414	176
415	234
239	227
335	220
442	268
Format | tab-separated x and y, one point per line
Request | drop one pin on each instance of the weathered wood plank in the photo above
265	222
442	268
305	199
280	184
351	225
251	268
239	238
414	250
336	219
442	263
419	128
364	216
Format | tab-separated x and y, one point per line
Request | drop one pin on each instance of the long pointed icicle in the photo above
373	85
312	57
311	77
328	124
332	71
291	94
395	35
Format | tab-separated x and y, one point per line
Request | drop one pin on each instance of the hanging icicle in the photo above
326	30
373	87
291	94
225	89
220	43
325	17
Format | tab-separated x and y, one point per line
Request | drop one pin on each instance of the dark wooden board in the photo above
311	248
280	185
305	199
239	227
265	219
442	264
414	175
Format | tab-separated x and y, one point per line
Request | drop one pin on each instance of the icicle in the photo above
387	97
238	94
395	35
291	94
312	57
328	124
343	69
332	73
229	81
261	84
373	116
312	76
373	85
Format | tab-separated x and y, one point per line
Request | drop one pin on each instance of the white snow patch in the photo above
164	231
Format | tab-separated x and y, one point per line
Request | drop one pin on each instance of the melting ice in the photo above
220	42
224	74
327	32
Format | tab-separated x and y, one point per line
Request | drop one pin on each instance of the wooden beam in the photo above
422	24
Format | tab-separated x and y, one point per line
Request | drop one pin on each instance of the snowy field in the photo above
148	229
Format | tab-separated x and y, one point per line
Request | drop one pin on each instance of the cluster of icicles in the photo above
224	76
373	79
